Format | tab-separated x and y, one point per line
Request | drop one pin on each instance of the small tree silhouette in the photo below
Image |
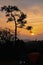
5	34
11	13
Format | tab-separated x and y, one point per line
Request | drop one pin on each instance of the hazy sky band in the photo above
22	3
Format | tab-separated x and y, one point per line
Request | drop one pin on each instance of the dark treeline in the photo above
18	53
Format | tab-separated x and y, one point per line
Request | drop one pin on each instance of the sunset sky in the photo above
34	12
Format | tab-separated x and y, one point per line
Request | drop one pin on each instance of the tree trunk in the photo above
15	26
15	30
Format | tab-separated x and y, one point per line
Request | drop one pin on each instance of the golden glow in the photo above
32	34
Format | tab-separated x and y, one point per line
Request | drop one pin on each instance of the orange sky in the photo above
34	18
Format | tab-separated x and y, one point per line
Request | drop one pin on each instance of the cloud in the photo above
23	3
36	10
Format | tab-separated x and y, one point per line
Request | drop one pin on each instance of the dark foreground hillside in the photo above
21	53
